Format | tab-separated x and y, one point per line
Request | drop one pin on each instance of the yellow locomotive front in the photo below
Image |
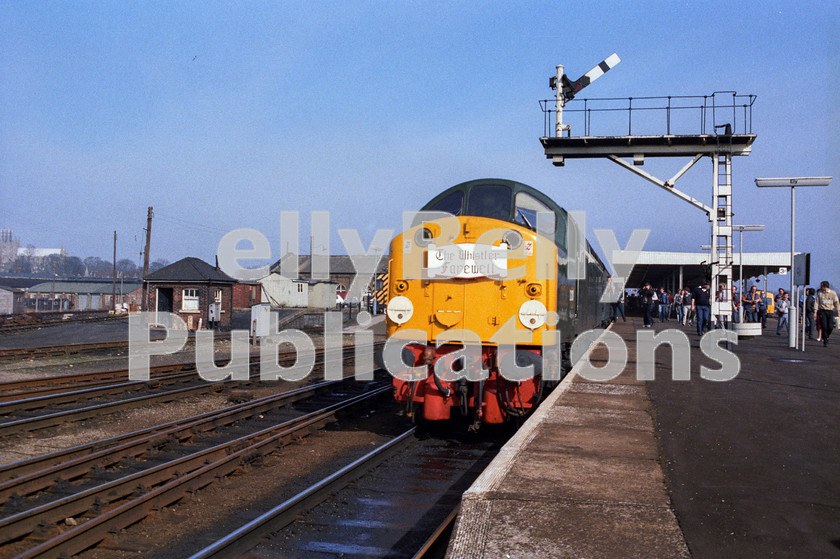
473	302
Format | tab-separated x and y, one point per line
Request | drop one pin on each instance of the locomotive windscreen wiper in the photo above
524	217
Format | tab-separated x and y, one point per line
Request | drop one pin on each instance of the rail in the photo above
243	539
722	112
9	425
136	495
41	472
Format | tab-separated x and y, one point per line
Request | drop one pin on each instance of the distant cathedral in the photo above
11	252
9	245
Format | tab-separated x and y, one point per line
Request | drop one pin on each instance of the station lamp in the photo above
792	183
741	229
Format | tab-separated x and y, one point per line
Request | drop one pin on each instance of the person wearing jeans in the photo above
782	306
701	304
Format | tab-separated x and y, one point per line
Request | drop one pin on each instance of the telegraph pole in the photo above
114	278
145	301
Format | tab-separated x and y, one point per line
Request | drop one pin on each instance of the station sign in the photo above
802	268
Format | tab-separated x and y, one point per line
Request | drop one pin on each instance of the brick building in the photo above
192	289
246	294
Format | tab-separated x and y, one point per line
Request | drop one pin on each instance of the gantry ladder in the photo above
721	218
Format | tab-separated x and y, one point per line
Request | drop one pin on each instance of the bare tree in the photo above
127	268
158	264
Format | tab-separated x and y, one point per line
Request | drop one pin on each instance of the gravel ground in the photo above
191	524
194	522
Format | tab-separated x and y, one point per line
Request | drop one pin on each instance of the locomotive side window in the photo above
450	204
526	209
490	200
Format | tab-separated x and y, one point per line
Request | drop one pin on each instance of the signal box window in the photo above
189	300
526	211
490	200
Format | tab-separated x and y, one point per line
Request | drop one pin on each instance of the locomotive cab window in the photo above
526	209
450	204
490	200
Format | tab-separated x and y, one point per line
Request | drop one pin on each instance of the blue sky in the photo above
222	115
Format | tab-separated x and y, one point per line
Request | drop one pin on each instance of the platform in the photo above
745	468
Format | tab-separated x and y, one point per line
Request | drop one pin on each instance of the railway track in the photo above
23	415
249	536
26	477
45	386
69	350
11	327
108	485
65	502
19	353
400	500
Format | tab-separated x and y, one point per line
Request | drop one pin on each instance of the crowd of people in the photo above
693	307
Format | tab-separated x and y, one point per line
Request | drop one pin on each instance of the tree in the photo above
23	264
73	267
127	268
96	264
158	264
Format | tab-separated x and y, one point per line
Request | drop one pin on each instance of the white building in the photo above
280	291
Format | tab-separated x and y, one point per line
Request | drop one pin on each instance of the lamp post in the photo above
792	182
741	229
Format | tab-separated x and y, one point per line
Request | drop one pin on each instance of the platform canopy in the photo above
662	269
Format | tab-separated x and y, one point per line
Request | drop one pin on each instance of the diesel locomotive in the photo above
489	285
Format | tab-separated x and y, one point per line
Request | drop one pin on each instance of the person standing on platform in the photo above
810	311
686	307
762	311
736	304
618	308
827	306
782	307
646	295
750	305
678	305
701	305
663	304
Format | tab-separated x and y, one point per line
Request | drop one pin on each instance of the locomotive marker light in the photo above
400	309
532	314
567	89
792	183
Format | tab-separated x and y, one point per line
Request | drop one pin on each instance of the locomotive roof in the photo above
513	185
515	188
